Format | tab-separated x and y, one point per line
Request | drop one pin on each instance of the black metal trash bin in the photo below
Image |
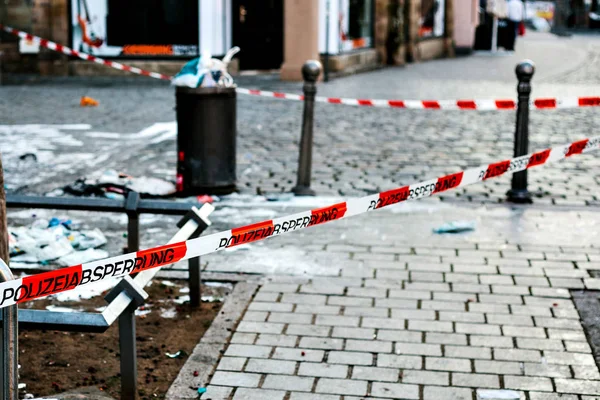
206	140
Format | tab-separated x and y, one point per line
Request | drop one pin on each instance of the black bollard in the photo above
310	71
518	192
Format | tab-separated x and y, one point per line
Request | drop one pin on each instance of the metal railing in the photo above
125	297
10	347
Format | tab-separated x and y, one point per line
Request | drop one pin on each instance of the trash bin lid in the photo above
206	90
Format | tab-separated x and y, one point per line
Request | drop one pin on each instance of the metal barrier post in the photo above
127	344
9	378
133	221
310	71
518	192
195	281
127	348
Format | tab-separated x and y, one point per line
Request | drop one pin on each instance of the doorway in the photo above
257	28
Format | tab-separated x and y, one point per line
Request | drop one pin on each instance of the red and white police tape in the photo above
498	104
47	283
84	56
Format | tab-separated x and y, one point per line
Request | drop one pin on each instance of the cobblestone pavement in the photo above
379	307
357	150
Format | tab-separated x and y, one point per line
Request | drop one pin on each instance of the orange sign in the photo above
147	49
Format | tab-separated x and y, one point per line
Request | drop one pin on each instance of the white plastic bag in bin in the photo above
206	71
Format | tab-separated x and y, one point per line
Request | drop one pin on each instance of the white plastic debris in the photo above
206	71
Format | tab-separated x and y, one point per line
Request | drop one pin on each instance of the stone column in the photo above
301	36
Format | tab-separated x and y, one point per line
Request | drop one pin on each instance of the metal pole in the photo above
495	34
310	71
127	344
195	281
3	226
327	13
518	192
133	221
127	347
9	378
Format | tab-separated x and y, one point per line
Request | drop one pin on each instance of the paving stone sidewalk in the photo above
390	310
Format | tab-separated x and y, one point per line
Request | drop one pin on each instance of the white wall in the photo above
215	26
334	35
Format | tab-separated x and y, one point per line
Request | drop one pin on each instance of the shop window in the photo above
356	24
432	18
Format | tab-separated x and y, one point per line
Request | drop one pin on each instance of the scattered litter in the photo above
455	227
28	157
116	185
211	299
61	309
55	240
206	199
184	290
200	390
179	354
142	311
219	284
181	299
22	386
279	197
196	373
167	283
82	257
206	71
88	102
497	394
168	312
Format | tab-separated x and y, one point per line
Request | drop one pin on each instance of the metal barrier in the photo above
132	206
10	348
124	298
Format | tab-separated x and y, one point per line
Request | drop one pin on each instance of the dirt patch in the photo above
53	362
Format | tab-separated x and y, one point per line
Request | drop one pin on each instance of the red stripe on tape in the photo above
279	95
505	104
159	256
250	233
448	182
589	101
364	102
145	73
74	53
577	147
466	104
545	103
538	158
496	169
60	48
48	283
90	57
392	197
109	63
396	103
326	214
431	104
44	43
27	35
254	91
334	100
126	68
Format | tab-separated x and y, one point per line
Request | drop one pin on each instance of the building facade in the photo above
347	35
